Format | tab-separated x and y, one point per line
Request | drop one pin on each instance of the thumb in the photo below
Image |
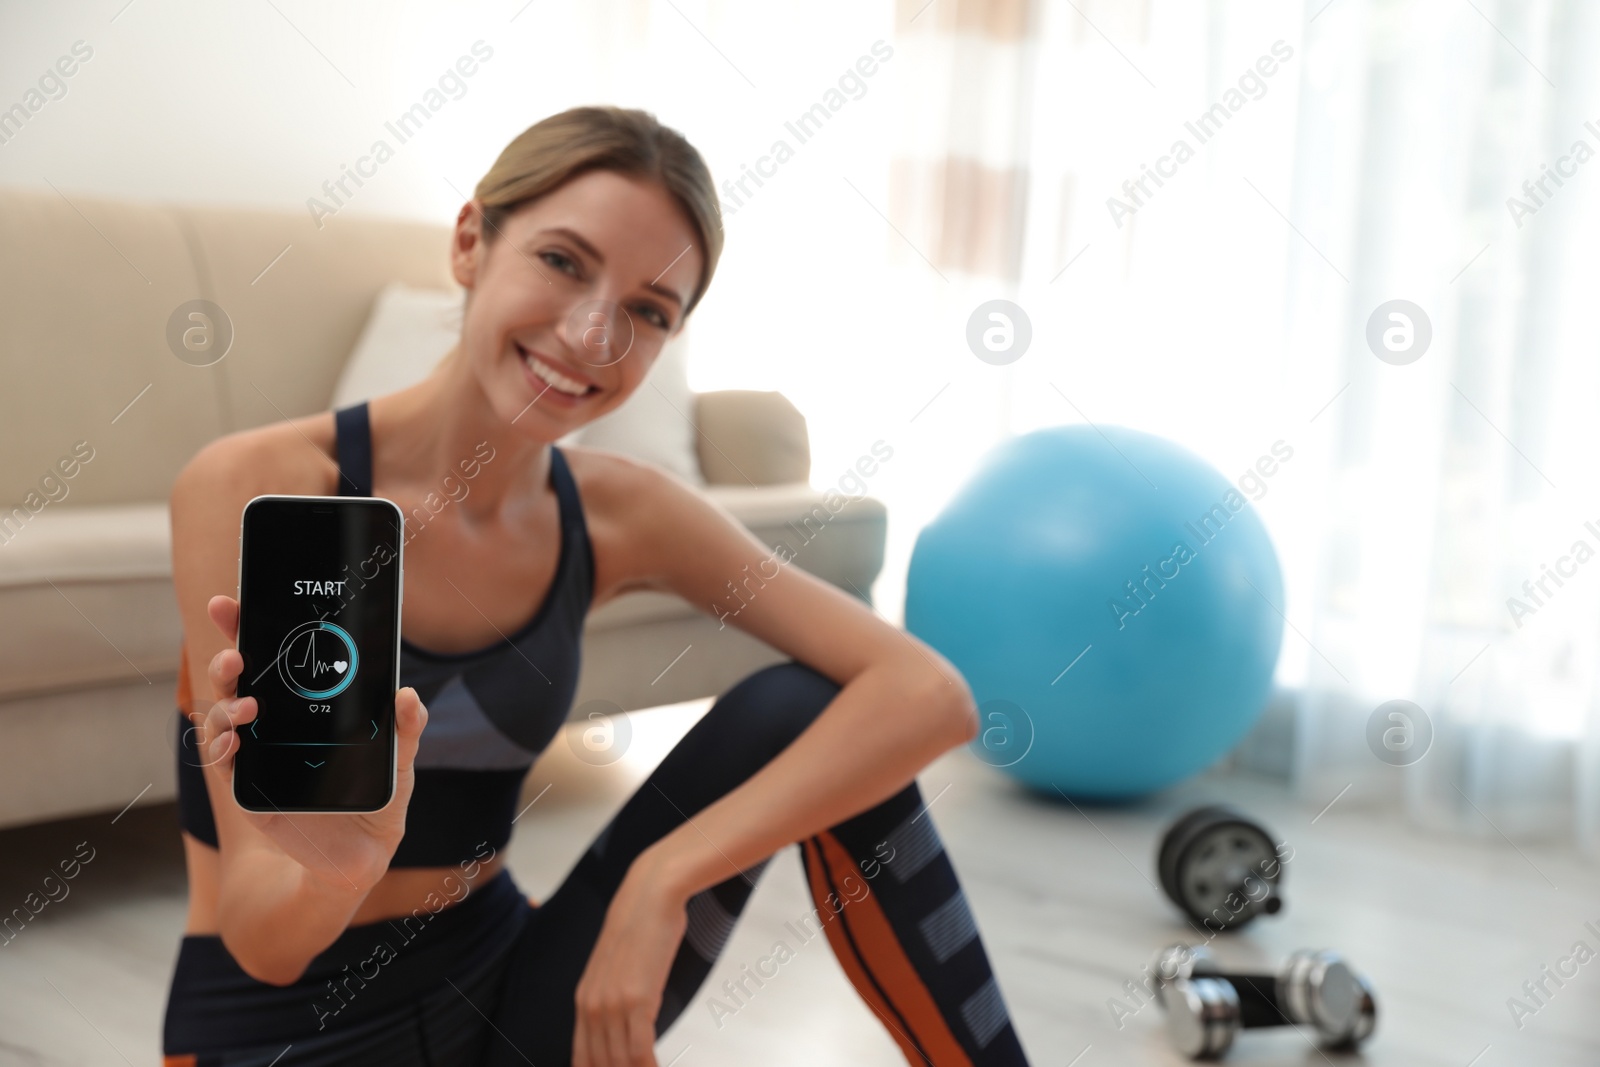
410	719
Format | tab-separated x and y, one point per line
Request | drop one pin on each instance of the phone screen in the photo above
319	632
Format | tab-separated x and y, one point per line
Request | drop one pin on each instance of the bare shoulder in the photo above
616	487
292	457
207	498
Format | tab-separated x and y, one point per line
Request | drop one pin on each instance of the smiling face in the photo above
573	298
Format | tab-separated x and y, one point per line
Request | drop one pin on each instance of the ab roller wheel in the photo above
1221	868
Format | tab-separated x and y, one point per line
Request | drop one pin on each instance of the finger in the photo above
641	1038
592	1013
224	612
219	742
597	1042
410	718
616	1037
591	1023
227	716
580	1043
223	672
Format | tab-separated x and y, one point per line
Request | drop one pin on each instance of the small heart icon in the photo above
340	665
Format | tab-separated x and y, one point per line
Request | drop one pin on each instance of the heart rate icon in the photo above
303	661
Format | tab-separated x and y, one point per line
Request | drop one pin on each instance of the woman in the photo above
399	937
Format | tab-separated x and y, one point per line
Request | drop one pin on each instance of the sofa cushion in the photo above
298	293
83	347
764	430
94	585
406	335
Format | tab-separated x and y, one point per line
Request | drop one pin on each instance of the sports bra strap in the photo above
566	487
352	431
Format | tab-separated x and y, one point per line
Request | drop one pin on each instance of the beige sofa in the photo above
89	630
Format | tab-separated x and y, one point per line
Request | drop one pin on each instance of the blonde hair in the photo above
555	150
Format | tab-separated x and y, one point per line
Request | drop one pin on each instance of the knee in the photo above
778	702
786	685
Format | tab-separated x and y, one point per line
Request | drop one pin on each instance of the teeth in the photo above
554	378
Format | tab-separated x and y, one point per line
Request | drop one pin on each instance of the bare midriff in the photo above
398	893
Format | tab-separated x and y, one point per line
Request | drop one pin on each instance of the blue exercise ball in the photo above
1112	601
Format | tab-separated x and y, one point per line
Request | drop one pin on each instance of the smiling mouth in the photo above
552	376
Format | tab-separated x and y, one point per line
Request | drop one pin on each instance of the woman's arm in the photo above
901	704
276	906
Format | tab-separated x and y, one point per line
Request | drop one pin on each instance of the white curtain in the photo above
1374	156
1454	480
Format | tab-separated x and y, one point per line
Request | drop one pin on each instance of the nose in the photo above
599	332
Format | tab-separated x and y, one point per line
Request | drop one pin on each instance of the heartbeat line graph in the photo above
318	665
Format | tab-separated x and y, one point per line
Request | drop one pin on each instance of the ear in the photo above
466	245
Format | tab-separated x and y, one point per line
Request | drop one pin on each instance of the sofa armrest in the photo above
751	438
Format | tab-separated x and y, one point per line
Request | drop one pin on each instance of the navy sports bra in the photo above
490	712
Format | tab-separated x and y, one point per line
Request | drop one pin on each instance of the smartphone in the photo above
320	587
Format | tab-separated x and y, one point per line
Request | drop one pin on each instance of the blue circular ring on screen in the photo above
349	665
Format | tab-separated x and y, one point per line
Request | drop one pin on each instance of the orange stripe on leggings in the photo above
185	689
881	959
853	968
178	1061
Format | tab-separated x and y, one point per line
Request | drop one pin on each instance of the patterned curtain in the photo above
958	179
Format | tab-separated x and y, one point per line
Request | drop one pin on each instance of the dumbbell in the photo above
1206	1007
1215	857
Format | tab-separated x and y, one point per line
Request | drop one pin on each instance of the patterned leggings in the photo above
495	985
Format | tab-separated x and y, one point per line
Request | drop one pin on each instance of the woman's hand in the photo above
619	995
347	852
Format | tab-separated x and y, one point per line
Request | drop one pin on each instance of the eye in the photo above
560	261
653	315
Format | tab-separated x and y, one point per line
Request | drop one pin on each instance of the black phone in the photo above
321	582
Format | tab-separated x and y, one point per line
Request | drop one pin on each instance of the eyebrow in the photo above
594	253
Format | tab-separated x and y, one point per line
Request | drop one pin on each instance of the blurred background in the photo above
1438	152
983	160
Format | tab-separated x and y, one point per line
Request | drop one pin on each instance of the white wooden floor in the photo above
1447	929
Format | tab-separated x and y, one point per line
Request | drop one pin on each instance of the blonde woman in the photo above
399	937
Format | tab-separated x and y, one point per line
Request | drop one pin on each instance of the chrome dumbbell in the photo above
1202	1012
1206	1008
